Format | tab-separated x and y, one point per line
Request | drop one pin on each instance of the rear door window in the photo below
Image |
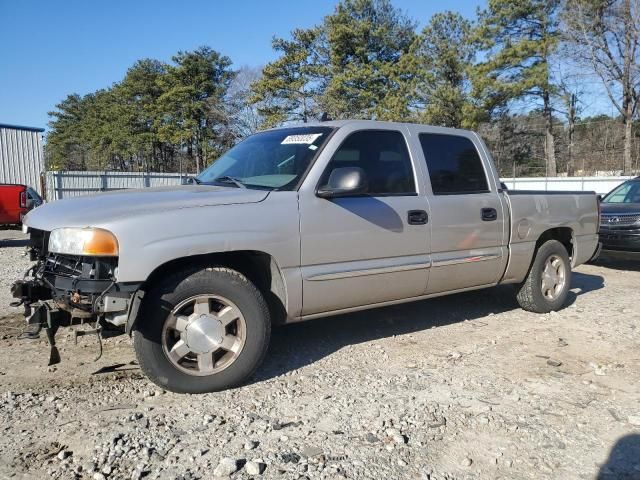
454	164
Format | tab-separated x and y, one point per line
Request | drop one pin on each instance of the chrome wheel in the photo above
204	334
553	277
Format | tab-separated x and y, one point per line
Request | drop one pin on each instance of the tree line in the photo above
517	73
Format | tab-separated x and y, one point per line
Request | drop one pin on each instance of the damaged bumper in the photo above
63	290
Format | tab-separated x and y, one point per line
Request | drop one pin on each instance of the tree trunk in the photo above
199	158
549	144
628	124
571	132
627	88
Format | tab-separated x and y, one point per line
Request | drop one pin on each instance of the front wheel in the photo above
547	285
202	331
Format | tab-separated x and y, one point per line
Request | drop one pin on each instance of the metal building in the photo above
21	155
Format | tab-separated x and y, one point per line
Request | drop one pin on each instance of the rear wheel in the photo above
546	287
202	331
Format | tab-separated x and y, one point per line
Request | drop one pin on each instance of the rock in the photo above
62	454
466	462
98	476
226	467
395	435
250	445
290	457
634	420
255	467
311	452
554	363
371	438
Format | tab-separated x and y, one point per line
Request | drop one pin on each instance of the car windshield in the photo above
275	159
628	192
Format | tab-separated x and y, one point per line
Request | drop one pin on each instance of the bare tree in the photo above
606	34
246	118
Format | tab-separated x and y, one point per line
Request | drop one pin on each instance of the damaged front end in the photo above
64	289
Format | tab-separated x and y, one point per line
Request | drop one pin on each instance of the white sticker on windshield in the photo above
305	139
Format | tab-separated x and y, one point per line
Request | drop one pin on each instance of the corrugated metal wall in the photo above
74	184
21	155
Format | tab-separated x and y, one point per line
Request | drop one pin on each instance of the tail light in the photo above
23	199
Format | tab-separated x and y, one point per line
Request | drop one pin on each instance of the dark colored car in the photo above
620	220
15	202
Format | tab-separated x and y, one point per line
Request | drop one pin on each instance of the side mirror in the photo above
344	182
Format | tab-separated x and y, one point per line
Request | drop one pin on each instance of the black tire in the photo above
160	300
530	295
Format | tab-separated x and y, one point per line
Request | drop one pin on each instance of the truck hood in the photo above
95	210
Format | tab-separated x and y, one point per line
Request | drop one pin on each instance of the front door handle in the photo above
417	217
489	214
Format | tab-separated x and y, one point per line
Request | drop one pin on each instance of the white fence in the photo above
60	184
600	185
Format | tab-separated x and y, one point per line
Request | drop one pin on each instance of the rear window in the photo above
454	164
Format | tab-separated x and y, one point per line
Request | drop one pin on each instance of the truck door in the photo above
467	218
369	248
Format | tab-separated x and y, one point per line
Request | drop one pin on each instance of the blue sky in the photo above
53	48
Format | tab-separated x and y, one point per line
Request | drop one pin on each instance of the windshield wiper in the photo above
229	179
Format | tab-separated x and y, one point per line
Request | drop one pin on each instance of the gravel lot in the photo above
467	386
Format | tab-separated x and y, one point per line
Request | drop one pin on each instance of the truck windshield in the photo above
275	159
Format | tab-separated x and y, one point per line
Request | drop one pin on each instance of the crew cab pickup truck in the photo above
293	224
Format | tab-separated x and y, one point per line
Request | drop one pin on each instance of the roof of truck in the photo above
371	124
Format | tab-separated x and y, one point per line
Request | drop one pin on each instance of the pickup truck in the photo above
293	224
15	201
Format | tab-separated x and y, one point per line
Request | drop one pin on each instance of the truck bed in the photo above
532	213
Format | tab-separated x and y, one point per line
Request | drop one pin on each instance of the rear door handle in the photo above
489	214
417	217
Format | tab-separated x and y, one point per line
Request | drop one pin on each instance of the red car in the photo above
15	202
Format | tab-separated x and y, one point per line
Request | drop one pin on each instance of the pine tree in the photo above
518	38
444	53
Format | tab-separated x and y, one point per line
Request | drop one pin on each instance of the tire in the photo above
163	331
534	295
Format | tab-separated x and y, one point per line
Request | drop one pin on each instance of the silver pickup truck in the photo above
292	224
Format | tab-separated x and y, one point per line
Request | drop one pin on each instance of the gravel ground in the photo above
461	387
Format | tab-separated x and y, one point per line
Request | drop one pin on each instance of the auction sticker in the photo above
305	139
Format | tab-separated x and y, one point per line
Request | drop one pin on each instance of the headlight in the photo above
83	241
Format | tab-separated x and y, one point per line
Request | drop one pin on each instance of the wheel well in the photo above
562	234
259	267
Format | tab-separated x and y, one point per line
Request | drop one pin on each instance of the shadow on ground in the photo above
297	345
13	242
624	460
619	261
